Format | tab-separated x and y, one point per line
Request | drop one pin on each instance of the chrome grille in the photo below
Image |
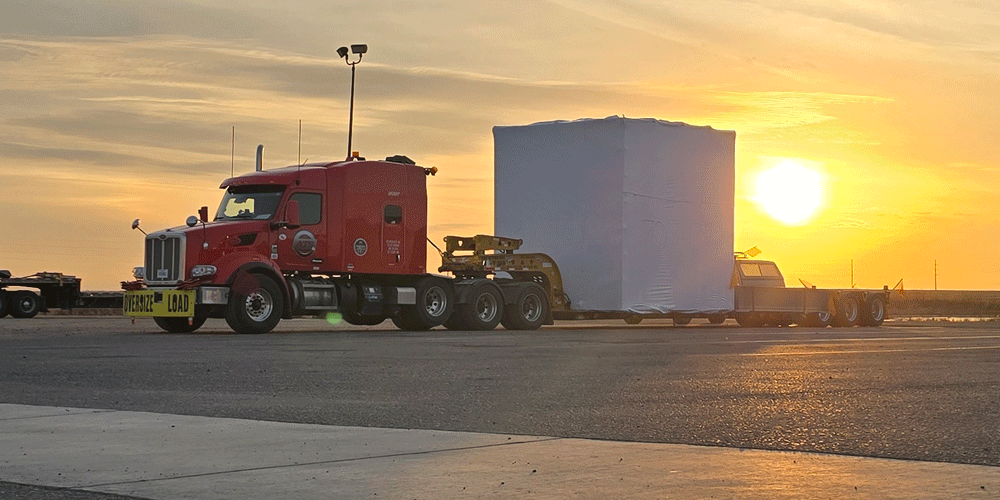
164	258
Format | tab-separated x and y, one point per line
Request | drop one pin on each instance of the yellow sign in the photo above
160	303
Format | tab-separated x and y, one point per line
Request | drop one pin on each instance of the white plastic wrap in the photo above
637	213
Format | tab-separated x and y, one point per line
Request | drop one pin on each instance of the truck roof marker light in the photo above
431	171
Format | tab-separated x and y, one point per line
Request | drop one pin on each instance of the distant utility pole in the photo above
852	273
935	274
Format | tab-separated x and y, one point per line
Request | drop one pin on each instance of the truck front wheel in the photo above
24	304
179	325
4	303
255	304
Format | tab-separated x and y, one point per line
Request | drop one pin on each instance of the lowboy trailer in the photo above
25	297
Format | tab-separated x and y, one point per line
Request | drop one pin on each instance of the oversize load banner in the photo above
149	303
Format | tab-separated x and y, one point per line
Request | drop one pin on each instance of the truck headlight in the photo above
202	270
139	273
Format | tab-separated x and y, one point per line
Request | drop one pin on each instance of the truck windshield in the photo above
249	202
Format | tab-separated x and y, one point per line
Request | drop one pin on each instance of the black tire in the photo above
435	302
255	304
24	304
818	320
4	303
485	308
528	311
359	320
749	319
716	319
179	325
873	313
848	312
633	319
682	320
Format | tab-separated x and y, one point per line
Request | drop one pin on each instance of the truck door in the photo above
392	235
302	248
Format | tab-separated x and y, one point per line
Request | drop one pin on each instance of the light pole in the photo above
360	50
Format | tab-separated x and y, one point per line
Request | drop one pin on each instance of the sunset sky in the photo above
114	109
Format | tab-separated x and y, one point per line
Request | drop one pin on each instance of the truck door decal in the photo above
304	243
360	247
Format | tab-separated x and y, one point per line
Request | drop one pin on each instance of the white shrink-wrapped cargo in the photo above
637	213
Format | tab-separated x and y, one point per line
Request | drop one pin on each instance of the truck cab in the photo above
759	273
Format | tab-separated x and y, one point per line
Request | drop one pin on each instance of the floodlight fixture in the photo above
360	49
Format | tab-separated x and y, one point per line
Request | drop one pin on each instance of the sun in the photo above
790	192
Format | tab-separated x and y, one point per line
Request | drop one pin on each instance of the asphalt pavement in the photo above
922	393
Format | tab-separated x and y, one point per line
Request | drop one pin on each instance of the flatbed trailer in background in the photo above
25	297
759	292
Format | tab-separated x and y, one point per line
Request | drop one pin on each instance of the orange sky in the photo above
115	109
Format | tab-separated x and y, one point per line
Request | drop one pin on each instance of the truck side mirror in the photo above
203	214
292	214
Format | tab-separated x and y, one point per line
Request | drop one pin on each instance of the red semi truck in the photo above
349	238
346	237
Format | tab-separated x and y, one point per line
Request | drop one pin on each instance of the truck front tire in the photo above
179	325
4	303
255	304
24	304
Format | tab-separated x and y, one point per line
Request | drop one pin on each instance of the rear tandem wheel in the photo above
528	311
24	304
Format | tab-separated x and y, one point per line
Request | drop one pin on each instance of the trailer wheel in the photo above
255	304
24	304
818	319
633	319
3	303
716	319
485	308
528	311
848	311
682	320
435	301
874	311
749	319
179	325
